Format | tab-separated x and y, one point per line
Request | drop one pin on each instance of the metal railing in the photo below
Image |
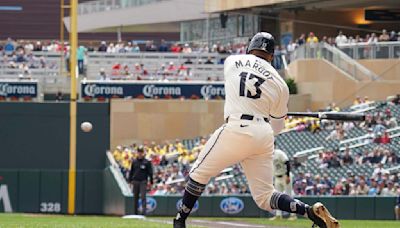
381	50
107	5
338	58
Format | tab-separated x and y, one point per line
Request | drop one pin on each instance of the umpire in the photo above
141	171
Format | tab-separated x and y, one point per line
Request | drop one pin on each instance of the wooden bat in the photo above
343	116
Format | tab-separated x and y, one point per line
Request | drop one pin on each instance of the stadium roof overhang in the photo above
156	17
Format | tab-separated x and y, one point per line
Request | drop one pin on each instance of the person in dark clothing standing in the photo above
141	171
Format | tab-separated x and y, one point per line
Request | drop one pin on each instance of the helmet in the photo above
263	41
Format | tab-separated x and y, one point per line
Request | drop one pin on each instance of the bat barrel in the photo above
342	116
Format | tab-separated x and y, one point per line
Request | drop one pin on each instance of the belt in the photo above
251	117
248	117
279	176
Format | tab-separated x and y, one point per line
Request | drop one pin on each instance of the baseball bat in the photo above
344	116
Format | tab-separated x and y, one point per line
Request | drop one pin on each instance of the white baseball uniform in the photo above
280	173
254	95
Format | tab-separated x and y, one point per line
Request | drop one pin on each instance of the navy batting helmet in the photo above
263	41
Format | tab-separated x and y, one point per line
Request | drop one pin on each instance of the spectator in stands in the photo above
362	188
188	61
392	36
337	134
277	62
161	190
378	170
312	42
209	60
347	159
393	158
373	190
176	48
103	47
373	39
59	96
80	55
186	49
171	67
291	47
150	46
135	47
9	47
301	40
384	36
163	46
334	162
341	39
389	190
102	74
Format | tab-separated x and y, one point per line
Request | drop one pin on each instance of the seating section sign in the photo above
18	89
140	89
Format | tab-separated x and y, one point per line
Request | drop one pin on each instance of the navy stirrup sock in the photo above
286	203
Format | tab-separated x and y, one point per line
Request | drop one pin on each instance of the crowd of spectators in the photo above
375	123
166	71
380	184
171	162
20	55
379	155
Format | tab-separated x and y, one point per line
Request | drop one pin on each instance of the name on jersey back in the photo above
256	65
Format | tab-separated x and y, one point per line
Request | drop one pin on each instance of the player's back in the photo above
254	87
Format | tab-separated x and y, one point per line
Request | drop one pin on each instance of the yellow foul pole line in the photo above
72	137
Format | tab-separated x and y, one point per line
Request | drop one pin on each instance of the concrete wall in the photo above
159	120
326	83
137	120
387	69
224	5
161	12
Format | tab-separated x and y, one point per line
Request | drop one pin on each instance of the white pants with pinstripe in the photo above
248	142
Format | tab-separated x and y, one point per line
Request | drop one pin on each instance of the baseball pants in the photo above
139	187
248	142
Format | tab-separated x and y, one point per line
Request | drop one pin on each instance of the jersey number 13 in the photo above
257	84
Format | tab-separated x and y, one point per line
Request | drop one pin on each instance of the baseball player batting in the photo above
256	99
282	179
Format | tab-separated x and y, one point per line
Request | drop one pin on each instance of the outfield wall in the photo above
35	135
45	191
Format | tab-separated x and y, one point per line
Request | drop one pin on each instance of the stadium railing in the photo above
337	57
153	61
114	168
380	50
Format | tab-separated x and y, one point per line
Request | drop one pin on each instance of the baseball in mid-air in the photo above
86	126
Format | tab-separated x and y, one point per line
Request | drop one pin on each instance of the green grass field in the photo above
43	221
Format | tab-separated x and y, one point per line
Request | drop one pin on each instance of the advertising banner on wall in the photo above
19	89
148	89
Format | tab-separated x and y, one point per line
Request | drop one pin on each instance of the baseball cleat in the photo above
178	223
321	217
292	217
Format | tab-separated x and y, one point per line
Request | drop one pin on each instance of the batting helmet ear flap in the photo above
248	44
